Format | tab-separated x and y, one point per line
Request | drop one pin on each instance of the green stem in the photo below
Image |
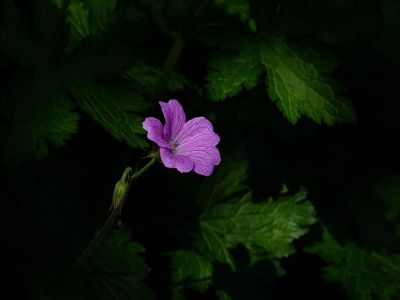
169	65
93	244
113	215
142	170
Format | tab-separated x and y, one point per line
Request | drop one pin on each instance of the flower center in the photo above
173	145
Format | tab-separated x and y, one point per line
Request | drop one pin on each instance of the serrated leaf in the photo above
32	41
229	74
268	227
240	8
299	80
113	271
101	14
111	109
364	275
78	19
100	58
146	77
190	269
119	268
225	183
223	295
231	219
388	188
89	17
38	115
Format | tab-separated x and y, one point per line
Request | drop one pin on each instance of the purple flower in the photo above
185	146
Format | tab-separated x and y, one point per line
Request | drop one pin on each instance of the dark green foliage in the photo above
363	274
389	189
114	271
145	78
79	77
229	74
112	109
191	270
269	226
230	218
39	109
39	113
298	79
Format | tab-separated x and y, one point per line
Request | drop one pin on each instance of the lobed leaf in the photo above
37	115
115	112
364	275
229	74
113	271
267	227
230	218
191	269
299	80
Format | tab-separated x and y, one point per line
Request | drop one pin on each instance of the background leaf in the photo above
363	274
190	269
112	109
230	219
114	271
38	115
230	74
298	79
268	227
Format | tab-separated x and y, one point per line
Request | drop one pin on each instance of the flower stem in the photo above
142	170
169	66
115	211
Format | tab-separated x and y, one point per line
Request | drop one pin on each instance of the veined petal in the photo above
174	118
198	141
154	130
182	163
204	157
197	129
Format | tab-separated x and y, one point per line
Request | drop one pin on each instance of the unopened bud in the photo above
121	190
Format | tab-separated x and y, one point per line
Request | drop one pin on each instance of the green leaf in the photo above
37	114
113	271
226	182
100	58
190	269
32	41
230	218
145	78
388	188
229	74
223	295
89	17
299	80
364	275
101	14
111	108
267	228
240	8
78	19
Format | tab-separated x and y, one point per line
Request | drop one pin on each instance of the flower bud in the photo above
121	190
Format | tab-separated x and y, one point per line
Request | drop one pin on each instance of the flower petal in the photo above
197	141
182	163
197	129
204	158
154	130
174	118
